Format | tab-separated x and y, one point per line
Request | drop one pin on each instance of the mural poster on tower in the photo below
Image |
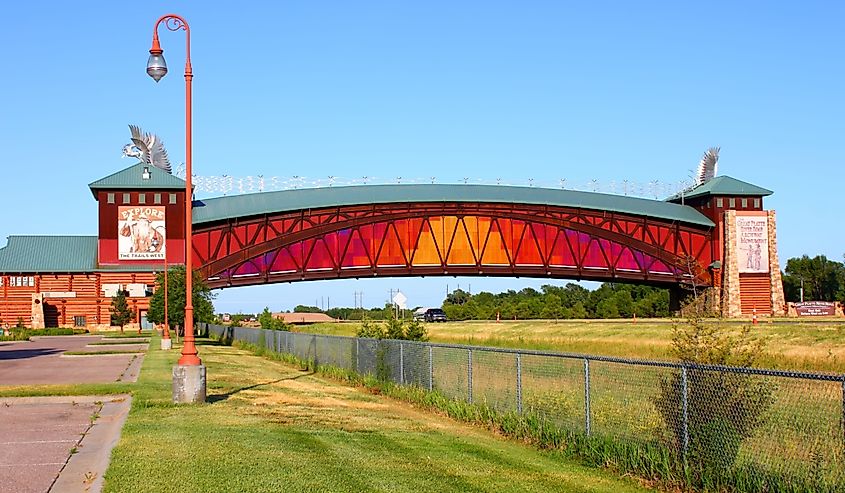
142	233
752	236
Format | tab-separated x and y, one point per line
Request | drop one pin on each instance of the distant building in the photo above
304	318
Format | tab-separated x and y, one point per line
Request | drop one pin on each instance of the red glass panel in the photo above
625	259
561	255
320	257
527	254
595	256
356	252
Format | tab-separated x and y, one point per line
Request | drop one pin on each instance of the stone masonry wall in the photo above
778	300
731	307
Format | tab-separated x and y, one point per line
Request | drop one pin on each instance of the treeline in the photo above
823	279
611	300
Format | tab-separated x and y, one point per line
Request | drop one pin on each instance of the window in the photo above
79	321
756	203
110	198
172	198
1	281
744	203
32	281
157	198
732	203
142	198
125	198
720	202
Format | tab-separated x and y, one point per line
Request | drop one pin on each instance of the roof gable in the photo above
722	185
131	178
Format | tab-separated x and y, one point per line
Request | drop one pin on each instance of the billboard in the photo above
752	244
142	233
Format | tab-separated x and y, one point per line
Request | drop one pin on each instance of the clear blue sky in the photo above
546	90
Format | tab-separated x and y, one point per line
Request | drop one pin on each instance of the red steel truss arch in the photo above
455	238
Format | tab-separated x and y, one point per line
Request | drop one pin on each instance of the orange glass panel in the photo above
426	252
475	238
392	252
495	252
460	251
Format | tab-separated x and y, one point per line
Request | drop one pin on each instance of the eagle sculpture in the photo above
148	148
708	165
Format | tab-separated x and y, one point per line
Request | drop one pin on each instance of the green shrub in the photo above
723	408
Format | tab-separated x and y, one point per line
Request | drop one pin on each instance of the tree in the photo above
823	279
269	322
416	331
458	297
306	309
121	314
395	329
202	296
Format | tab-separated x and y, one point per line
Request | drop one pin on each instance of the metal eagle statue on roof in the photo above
148	148
708	166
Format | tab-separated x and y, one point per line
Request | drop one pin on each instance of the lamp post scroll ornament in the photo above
189	373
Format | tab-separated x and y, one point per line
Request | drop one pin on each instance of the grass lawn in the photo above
270	427
817	345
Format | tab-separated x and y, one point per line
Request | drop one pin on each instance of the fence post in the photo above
518	383
587	424
685	405
357	351
843	409
469	376
430	370
401	364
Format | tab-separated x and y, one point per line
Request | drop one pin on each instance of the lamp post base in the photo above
188	384
166	344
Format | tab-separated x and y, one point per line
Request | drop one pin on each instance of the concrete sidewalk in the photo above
61	444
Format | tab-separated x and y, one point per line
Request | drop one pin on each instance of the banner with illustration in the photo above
752	238
142	233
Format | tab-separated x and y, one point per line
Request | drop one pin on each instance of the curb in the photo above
85	470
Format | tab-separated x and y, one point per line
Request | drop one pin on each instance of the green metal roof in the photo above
131	179
255	204
42	254
723	185
49	254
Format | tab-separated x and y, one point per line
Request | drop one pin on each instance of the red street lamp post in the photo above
157	68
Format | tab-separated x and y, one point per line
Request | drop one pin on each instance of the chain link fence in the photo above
714	428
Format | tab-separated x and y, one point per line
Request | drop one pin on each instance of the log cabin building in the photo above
69	281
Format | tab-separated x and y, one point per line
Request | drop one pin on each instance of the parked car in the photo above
430	315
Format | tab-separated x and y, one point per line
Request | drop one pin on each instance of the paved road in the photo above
60	444
40	362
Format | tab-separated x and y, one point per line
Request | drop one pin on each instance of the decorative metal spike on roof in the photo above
708	166
228	184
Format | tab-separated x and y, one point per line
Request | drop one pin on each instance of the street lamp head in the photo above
156	66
